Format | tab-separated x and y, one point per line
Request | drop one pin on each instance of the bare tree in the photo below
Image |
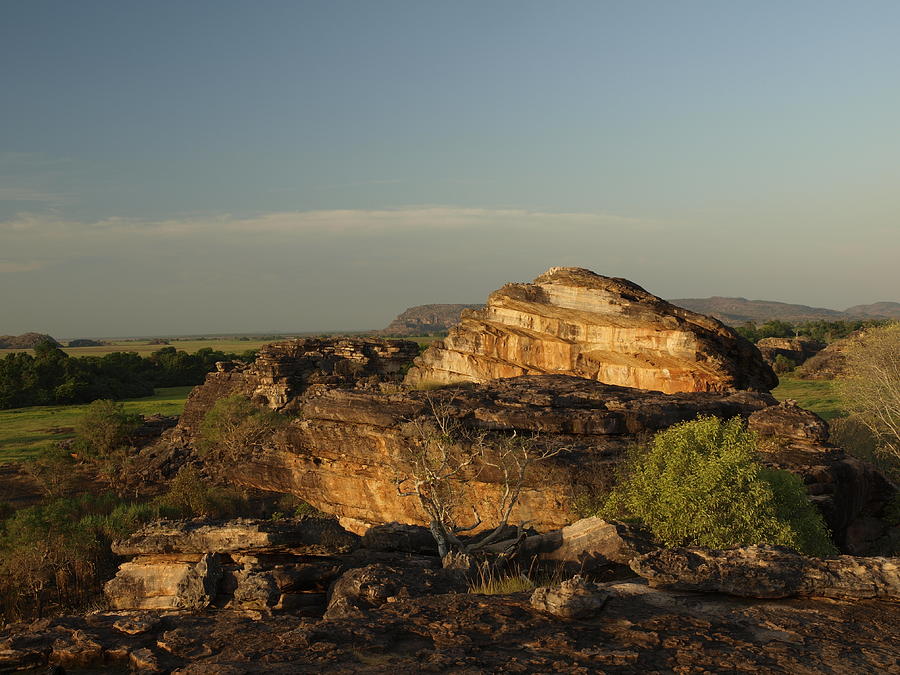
871	389
444	456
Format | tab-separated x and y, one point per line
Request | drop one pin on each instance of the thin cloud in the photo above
24	194
335	221
13	267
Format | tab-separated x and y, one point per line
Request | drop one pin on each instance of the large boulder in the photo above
576	322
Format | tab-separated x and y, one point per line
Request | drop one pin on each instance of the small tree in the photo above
871	389
700	483
444	455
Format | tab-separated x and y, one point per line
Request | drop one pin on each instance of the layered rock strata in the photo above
284	370
576	322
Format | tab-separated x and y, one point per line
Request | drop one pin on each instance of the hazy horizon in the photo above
175	168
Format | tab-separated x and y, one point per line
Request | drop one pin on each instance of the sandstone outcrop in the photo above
575	322
345	447
830	362
425	320
796	350
770	572
284	370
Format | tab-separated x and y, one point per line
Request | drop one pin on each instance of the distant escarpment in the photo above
25	341
736	311
425	320
575	322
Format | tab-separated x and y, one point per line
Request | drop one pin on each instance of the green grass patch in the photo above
820	396
24	432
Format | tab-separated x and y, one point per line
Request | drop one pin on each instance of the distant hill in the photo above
877	310
736	311
741	310
24	341
426	320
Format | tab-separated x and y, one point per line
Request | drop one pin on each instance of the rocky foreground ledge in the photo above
390	607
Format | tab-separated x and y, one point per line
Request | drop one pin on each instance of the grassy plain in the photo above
820	396
230	345
24	432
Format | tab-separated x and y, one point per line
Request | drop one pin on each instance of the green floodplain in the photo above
24	432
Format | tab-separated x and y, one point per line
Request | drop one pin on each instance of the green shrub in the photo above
235	427
104	428
699	483
191	495
783	364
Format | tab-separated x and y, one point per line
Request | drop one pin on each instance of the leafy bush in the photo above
699	483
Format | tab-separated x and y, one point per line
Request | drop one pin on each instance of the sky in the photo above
212	166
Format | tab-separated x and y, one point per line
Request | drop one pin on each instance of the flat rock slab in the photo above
770	572
232	536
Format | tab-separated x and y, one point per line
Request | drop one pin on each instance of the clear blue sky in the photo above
178	167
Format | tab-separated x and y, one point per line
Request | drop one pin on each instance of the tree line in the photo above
822	331
52	377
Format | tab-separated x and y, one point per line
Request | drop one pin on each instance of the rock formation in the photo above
770	572
345	448
25	341
572	321
796	350
830	362
425	320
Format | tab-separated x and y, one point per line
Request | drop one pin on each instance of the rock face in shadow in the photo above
851	494
575	322
770	572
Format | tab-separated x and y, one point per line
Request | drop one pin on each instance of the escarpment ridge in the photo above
575	322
